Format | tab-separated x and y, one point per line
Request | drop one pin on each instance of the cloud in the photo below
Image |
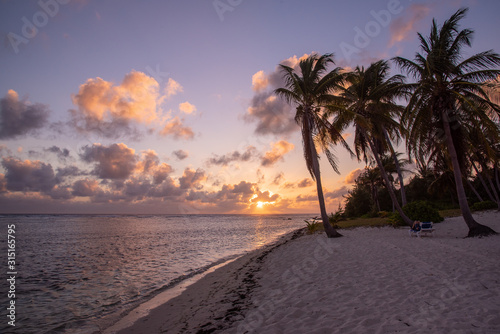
307	182
192	178
109	109
67	172
187	108
264	196
161	173
260	176
3	184
28	175
173	88
353	175
260	81
86	188
230	198
279	178
150	161
62	154
336	193
177	129
180	154
226	159
116	161
273	115
276	154
19	117
404	27
306	198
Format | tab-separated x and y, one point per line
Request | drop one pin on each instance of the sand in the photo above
372	280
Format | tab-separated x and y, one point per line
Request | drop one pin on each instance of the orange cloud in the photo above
402	27
187	108
136	98
177	129
277	152
259	81
192	178
264	196
85	188
307	182
173	88
353	175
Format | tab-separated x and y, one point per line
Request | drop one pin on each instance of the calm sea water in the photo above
74	271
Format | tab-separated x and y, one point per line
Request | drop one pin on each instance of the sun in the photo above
260	204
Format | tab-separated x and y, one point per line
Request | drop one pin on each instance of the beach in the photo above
372	280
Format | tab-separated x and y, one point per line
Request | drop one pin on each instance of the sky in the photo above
151	107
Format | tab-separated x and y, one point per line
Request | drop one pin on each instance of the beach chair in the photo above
425	227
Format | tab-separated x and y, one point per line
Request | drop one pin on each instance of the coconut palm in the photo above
449	91
368	103
309	89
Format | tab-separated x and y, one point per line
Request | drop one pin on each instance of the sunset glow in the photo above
169	106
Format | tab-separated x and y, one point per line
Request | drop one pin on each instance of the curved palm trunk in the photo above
492	186
329	230
388	184
398	169
475	229
480	177
474	190
375	195
497	179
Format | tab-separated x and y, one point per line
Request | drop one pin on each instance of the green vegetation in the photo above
449	126
313	227
485	205
421	211
382	219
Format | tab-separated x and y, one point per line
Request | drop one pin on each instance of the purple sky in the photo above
167	106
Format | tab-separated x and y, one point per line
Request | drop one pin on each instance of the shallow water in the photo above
74	271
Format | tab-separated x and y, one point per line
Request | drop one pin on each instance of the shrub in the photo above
418	210
486	205
312	227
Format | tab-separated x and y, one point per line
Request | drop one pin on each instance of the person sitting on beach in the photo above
416	226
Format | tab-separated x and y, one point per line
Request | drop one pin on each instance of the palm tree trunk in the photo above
388	183
480	177
494	191
474	190
398	168
375	195
329	230
475	229
497	179
492	186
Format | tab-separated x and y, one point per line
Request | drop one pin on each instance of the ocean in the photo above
73	273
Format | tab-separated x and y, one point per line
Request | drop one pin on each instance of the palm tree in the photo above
368	103
309	89
448	91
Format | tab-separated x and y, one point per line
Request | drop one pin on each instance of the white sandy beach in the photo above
372	280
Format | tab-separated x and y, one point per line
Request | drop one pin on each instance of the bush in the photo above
486	205
418	210
313	226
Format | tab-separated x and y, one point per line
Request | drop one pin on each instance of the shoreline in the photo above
143	309
371	280
149	316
